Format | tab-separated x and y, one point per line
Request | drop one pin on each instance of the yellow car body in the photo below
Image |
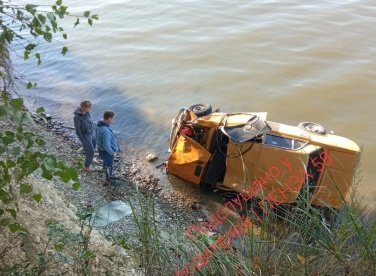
278	163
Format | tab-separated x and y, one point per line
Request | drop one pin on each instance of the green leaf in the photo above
40	142
30	47
64	51
26	188
14	227
17	103
4	222
19	136
37	197
26	55
27	118
2	149
54	26
47	36
3	110
77	22
31	8
4	196
89	255
62	11
29	85
65	36
9	137
90	21
42	18
11	163
46	174
17	117
76	186
8	34
59	246
30	166
37	55
13	213
30	142
95	16
87	13
67	174
59	2
50	163
51	16
40	109
10	133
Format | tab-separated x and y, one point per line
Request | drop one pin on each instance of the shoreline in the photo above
173	213
134	172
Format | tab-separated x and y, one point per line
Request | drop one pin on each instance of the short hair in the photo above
85	103
108	114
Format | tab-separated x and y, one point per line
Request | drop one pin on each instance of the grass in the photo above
291	240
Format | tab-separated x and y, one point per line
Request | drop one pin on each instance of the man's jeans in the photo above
108	162
88	143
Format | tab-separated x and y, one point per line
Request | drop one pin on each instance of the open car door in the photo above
188	159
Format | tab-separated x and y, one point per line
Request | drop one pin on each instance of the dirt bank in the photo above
173	212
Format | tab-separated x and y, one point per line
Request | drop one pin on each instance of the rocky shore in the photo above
174	212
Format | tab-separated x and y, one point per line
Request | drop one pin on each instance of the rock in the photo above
135	171
195	206
151	157
47	116
37	239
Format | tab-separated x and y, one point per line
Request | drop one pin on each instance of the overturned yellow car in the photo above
245	153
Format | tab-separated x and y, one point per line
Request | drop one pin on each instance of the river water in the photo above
298	60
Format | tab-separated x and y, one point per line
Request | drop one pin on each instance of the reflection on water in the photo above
298	60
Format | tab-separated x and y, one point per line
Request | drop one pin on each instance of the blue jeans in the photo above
108	162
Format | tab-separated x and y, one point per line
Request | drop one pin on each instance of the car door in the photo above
188	159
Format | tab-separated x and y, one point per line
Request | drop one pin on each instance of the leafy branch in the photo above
22	154
42	24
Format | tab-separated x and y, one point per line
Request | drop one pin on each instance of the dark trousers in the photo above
88	143
108	162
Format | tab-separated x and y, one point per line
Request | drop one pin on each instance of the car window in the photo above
298	144
283	142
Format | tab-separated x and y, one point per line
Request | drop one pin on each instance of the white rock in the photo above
151	157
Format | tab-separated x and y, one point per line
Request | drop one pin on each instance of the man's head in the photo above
85	106
108	117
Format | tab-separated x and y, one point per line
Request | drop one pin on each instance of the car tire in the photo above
201	110
312	127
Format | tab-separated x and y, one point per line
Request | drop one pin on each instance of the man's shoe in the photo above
115	183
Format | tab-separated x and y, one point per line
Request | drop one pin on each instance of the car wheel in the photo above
313	127
201	109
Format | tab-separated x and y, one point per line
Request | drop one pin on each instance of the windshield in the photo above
244	132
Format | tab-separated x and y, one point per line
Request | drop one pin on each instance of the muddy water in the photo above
298	60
